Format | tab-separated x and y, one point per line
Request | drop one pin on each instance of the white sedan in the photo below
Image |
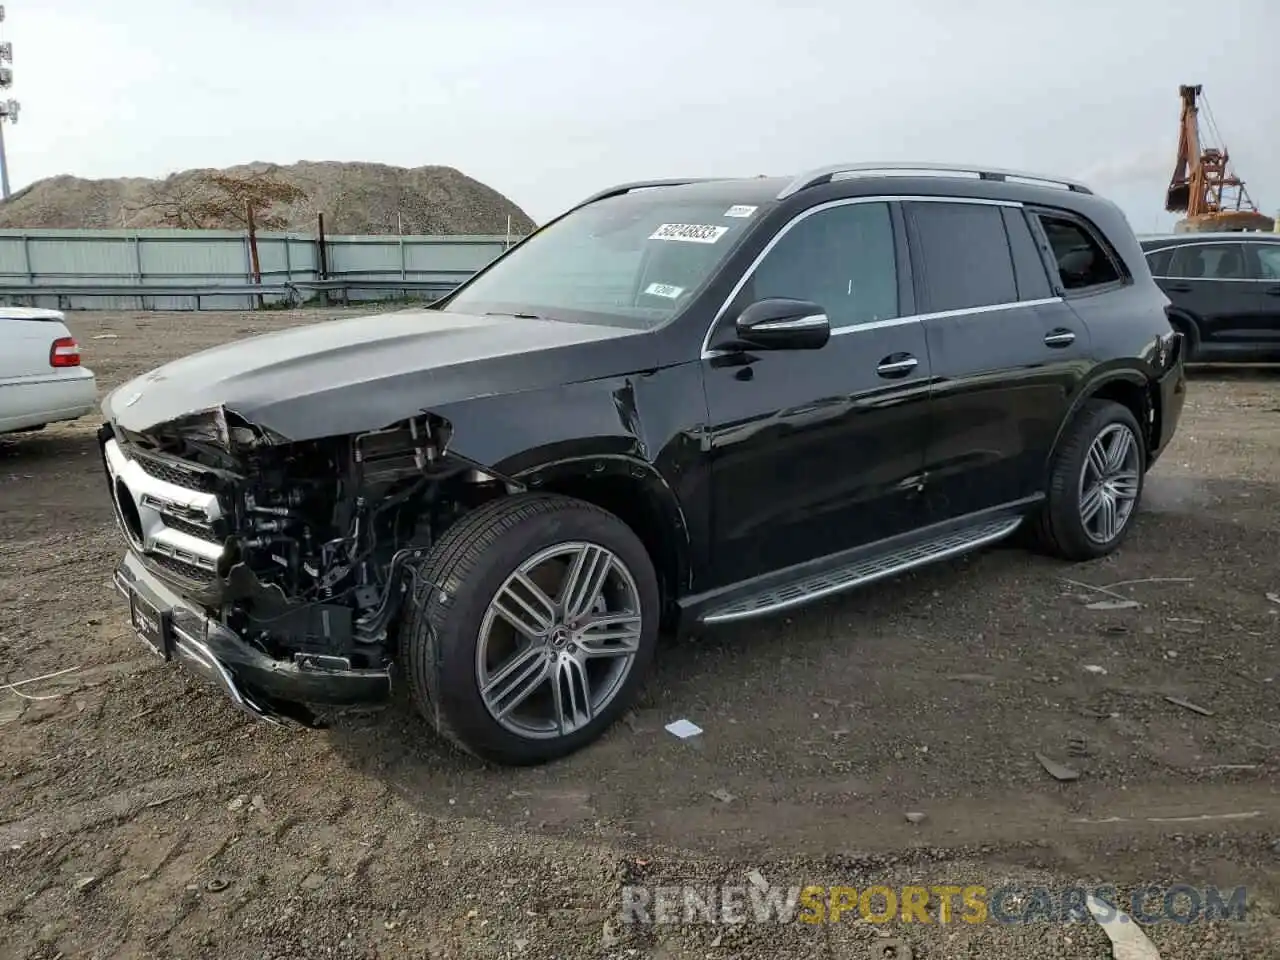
41	378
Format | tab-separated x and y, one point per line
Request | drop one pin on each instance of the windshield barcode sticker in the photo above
689	232
664	290
740	210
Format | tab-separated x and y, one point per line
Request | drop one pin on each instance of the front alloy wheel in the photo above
533	623
558	640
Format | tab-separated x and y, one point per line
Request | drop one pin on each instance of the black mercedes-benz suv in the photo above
681	403
1225	291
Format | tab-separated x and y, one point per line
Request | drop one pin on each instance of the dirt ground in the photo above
140	816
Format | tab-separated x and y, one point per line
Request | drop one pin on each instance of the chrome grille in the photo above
164	470
200	530
181	569
165	519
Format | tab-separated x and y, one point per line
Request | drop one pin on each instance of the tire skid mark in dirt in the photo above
170	854
122	805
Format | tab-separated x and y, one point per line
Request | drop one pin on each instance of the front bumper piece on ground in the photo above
269	689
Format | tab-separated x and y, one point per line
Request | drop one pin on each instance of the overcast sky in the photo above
548	100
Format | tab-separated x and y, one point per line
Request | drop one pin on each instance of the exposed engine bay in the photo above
302	549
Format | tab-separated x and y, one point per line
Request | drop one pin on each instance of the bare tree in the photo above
174	202
216	200
231	197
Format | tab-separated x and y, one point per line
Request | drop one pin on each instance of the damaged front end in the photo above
275	568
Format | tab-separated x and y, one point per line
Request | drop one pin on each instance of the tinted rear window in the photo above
965	256
1033	281
1208	261
1082	261
1158	262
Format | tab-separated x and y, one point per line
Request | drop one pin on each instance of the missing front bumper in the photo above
269	689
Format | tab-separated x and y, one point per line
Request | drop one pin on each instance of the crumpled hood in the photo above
342	376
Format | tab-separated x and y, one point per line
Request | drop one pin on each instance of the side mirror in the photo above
781	324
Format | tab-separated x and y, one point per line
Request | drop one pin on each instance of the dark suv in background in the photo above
682	403
1225	290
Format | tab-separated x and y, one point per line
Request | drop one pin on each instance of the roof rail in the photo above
839	170
622	188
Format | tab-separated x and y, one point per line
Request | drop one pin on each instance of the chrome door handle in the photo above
1059	338
895	368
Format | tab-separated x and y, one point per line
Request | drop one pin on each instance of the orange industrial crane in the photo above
1202	185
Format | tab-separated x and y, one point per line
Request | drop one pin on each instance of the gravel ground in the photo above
140	816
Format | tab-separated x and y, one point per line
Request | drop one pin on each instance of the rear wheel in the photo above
1095	483
533	624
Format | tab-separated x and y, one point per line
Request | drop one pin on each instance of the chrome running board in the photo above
814	586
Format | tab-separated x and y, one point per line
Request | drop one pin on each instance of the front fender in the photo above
634	491
643	427
512	433
653	418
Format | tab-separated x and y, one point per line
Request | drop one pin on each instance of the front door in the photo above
817	451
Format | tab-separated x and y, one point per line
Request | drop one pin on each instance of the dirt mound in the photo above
356	198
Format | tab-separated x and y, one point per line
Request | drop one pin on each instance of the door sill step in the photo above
861	571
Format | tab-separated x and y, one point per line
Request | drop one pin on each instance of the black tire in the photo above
440	631
1058	528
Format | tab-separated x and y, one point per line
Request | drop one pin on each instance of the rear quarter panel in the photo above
1126	326
1125	322
24	347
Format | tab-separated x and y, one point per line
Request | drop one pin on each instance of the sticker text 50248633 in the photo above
689	232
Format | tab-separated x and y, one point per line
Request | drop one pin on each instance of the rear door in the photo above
1262	264
1209	280
1007	352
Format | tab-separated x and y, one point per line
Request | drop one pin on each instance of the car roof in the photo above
747	190
904	180
855	179
1152	241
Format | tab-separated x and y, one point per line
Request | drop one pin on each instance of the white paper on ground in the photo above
684	729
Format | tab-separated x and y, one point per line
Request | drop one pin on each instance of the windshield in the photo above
633	260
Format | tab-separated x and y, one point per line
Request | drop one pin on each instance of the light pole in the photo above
8	109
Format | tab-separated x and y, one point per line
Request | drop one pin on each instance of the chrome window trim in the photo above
1209	243
1219	279
988	308
921	317
707	353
